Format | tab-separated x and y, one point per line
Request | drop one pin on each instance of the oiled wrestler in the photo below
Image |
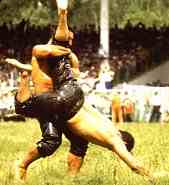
82	119
57	94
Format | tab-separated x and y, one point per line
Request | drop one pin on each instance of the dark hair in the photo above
128	139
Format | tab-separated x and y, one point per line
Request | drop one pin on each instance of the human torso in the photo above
41	80
49	74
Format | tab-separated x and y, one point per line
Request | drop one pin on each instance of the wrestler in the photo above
51	133
24	105
59	100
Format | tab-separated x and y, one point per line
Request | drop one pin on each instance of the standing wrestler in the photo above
59	100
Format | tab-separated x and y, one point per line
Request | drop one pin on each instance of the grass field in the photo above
100	166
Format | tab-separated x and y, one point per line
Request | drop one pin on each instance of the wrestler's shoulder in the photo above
50	50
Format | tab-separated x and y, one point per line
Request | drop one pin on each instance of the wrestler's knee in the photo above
48	147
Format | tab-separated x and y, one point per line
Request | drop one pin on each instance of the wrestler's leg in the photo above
45	147
74	163
31	156
78	148
24	92
91	125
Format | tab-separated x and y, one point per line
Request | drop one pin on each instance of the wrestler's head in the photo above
128	139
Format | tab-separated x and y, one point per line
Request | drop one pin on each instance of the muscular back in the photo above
41	77
48	68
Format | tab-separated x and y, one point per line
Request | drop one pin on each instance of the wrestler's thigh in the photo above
94	127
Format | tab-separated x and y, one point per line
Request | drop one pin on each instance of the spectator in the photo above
156	104
116	109
128	108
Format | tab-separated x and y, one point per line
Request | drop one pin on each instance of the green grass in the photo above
100	166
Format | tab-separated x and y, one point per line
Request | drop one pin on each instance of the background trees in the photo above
42	12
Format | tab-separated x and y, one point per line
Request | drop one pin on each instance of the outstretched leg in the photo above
52	138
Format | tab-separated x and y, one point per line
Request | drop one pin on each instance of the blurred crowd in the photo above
134	49
132	103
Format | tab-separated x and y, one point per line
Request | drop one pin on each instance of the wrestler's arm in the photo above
16	63
74	64
49	50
